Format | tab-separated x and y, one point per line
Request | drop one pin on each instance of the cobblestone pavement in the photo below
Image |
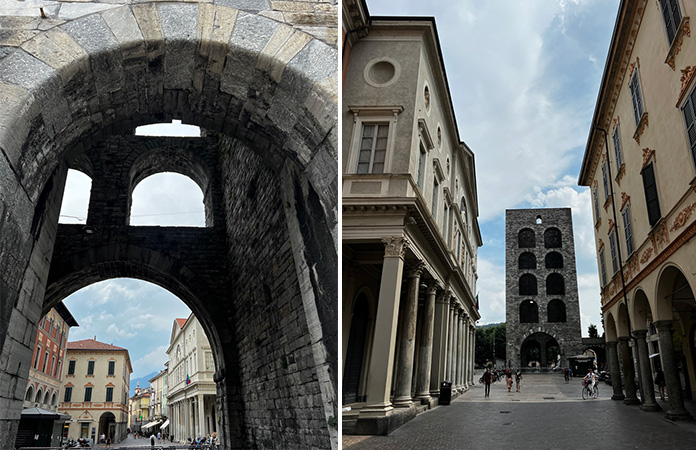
547	414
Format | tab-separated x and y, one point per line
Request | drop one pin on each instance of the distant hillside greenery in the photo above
490	343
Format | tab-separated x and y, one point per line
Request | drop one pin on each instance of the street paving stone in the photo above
547	414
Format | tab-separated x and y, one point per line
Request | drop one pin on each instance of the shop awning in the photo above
150	424
39	413
654	355
165	424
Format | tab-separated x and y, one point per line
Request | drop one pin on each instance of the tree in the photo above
592	330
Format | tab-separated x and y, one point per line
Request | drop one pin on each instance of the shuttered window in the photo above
689	112
109	394
636	97
617	148
651	199
90	367
602	268
436	195
88	394
628	230
68	394
373	148
672	16
605	180
421	167
612	248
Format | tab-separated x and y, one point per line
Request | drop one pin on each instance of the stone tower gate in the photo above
541	302
261	79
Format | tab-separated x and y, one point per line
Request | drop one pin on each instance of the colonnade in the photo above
415	349
187	418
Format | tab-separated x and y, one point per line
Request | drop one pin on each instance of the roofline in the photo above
65	314
623	6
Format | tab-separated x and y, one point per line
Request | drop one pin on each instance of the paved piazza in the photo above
548	414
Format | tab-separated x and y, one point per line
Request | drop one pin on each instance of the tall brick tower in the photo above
542	308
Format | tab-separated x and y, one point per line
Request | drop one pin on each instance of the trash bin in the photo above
445	393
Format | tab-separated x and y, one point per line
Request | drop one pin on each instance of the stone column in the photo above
647	389
457	347
629	374
676	409
426	346
472	352
437	371
450	341
613	359
460	360
201	415
404	378
465	350
379	378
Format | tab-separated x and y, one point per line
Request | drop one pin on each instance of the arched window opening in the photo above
528	284
526	239
554	260
75	198
54	400
167	199
538	220
529	312
527	260
46	397
175	129
552	238
555	285
556	311
30	394
38	396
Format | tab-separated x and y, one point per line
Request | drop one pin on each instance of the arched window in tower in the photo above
527	260
529	312
526	239
528	284
554	260
538	220
552	238
555	284
556	311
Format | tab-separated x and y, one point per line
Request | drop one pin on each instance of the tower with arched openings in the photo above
542	308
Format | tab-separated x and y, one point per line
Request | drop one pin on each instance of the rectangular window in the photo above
651	200
209	361
422	157
445	223
617	148
605	180
436	195
373	148
626	213
112	367
636	97
57	373
88	394
71	367
672	16
45	362
602	268
38	357
109	394
612	248
596	204
90	367
689	113
68	394
52	370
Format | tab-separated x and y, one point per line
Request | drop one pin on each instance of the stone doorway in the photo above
262	274
540	349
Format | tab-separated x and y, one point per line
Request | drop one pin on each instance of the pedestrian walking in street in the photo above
660	382
159	437
487	378
518	379
152	440
508	378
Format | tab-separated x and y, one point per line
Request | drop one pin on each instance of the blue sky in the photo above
524	78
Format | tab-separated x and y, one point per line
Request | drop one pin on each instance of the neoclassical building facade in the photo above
640	165
190	386
410	229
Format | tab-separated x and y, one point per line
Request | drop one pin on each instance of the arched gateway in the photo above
261	277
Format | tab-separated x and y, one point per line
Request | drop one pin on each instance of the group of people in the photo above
489	377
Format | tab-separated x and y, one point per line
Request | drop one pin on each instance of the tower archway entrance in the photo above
540	350
261	276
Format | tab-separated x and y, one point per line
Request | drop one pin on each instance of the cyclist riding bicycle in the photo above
590	378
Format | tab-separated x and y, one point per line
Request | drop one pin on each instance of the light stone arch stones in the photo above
252	80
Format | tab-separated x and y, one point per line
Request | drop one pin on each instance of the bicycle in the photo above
588	391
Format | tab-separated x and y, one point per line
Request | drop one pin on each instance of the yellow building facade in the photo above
640	165
96	380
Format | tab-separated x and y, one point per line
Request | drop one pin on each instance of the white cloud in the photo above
491	288
151	362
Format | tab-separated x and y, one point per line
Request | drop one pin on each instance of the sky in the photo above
130	313
524	78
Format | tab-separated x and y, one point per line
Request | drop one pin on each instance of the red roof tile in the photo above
92	344
181	322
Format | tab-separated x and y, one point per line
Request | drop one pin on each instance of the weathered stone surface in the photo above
123	24
247	5
179	23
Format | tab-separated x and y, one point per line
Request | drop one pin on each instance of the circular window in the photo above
382	72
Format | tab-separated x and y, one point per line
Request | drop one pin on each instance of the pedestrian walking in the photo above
508	378
518	379
152	440
487	378
660	382
159	437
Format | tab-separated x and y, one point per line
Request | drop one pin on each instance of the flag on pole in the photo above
188	380
477	305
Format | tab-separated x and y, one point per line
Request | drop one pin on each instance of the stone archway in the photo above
539	347
265	92
107	425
